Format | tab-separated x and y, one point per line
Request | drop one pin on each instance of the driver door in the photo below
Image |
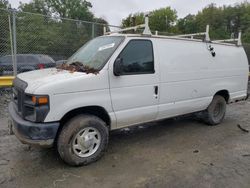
134	92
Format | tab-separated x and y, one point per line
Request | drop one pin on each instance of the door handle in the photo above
156	88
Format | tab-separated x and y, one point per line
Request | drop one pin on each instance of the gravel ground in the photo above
181	152
4	101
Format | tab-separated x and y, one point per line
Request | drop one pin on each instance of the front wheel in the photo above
83	140
216	111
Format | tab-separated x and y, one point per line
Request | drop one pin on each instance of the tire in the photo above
216	111
76	149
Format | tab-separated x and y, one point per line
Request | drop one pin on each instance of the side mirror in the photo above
117	67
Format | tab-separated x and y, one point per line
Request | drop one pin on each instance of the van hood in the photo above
52	81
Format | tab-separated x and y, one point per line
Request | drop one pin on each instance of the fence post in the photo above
104	30
93	30
14	42
11	41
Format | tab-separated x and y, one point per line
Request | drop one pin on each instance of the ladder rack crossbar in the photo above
238	40
191	35
226	40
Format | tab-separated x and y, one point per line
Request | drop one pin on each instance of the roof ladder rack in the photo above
134	28
182	36
238	40
206	34
148	32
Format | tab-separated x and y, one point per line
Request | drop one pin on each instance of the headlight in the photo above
36	107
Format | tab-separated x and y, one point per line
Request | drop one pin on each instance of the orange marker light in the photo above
43	100
40	100
33	99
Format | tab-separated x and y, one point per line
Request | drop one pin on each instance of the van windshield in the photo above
96	53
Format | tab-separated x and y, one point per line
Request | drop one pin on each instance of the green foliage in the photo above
59	38
35	6
224	21
45	27
133	19
4	4
35	34
4	28
76	9
98	29
161	19
187	24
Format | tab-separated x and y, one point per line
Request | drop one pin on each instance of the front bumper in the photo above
39	134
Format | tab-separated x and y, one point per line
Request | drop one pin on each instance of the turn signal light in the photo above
40	100
43	100
34	99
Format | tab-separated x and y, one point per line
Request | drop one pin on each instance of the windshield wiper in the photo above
78	67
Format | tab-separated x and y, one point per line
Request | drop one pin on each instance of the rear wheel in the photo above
83	140
216	111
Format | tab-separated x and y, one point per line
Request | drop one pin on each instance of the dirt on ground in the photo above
179	152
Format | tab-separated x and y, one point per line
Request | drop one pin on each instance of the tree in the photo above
35	6
133	19
77	9
4	4
187	24
161	19
214	17
55	34
4	28
225	21
100	26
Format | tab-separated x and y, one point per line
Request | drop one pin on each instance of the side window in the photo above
137	57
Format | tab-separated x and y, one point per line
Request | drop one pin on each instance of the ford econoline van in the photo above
119	80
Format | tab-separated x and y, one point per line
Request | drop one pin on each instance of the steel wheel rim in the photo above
217	110
86	142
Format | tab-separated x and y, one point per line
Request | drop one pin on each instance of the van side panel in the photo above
190	75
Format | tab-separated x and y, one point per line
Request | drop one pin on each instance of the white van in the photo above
120	80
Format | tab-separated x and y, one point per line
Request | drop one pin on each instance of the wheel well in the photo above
93	110
224	94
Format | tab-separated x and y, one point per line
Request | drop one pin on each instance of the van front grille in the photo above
19	95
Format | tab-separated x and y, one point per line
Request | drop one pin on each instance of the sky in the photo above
115	10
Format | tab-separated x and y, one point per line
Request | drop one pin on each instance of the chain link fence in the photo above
5	38
26	35
31	41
